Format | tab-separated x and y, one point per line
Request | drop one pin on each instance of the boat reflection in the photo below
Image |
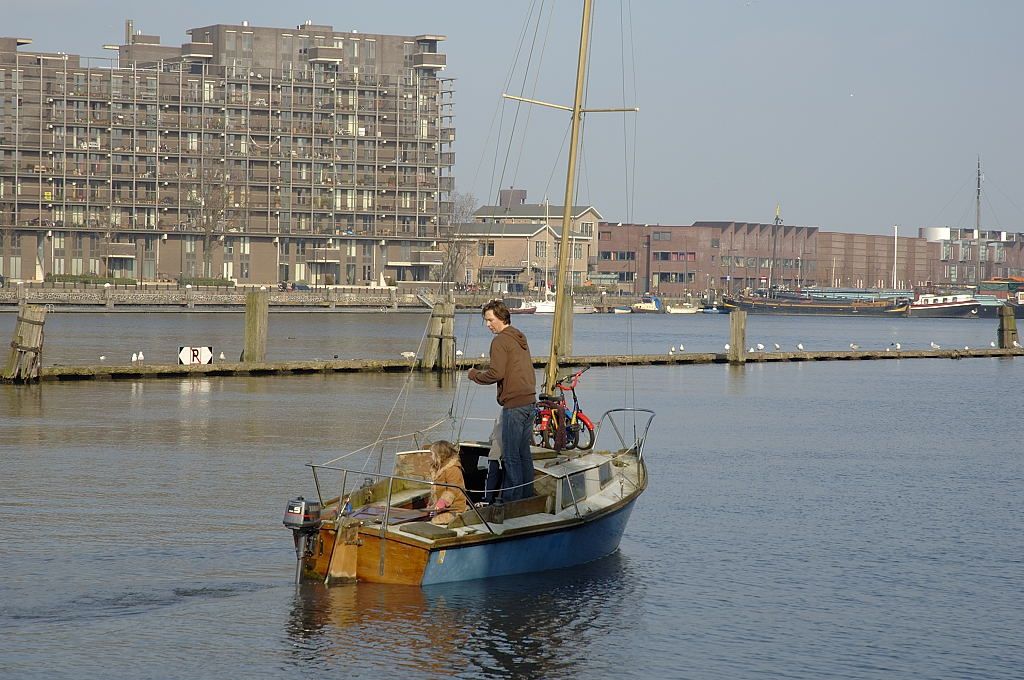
534	625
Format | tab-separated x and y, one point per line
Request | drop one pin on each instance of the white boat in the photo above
685	308
649	304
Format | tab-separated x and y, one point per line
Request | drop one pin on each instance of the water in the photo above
825	519
81	338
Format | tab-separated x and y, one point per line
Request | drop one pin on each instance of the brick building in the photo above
721	257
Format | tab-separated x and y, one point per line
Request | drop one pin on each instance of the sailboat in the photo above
376	528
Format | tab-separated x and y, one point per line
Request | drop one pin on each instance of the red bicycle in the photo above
557	426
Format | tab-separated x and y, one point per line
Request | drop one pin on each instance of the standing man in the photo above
512	369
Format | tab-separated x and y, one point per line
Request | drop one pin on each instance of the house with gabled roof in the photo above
519	255
515	242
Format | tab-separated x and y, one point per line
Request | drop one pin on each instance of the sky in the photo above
851	115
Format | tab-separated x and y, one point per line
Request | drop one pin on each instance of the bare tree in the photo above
210	201
455	248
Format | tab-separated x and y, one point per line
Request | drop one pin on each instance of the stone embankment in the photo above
99	299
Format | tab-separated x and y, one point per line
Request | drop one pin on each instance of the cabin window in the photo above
574	489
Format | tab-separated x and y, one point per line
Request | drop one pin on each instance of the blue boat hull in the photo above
566	547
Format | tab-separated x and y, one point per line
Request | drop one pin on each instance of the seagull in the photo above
221	357
135	357
898	345
103	357
751	350
408	355
458	352
935	345
141	358
776	345
966	347
854	346
992	344
800	346
672	349
482	355
760	347
1016	344
726	347
681	349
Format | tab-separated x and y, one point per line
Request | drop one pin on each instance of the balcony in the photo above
429	60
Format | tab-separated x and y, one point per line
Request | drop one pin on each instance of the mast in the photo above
977	230
563	300
895	251
775	241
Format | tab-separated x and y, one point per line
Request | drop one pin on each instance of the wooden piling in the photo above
257	312
1007	334
432	349
737	337
448	333
26	357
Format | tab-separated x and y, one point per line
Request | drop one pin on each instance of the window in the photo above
715	243
605	255
485	249
540	249
604	236
587	228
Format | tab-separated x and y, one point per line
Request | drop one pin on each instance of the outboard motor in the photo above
303	518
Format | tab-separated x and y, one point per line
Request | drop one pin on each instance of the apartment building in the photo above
249	153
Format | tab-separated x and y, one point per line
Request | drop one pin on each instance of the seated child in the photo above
446	468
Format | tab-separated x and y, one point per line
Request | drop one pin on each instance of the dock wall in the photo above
139	372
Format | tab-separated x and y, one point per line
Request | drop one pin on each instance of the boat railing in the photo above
621	421
373	478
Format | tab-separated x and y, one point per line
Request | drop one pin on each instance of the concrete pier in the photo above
140	372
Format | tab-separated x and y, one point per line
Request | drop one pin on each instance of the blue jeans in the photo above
516	425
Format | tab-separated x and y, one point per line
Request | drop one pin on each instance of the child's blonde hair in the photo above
441	452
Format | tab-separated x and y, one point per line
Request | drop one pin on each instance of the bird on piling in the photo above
103	357
935	345
672	349
141	358
776	346
760	347
408	355
221	357
854	346
135	357
681	349
726	347
458	352
992	344
1016	344
800	346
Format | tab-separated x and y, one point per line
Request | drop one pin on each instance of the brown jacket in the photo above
511	368
450	473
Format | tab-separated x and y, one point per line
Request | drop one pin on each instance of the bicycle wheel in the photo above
585	436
